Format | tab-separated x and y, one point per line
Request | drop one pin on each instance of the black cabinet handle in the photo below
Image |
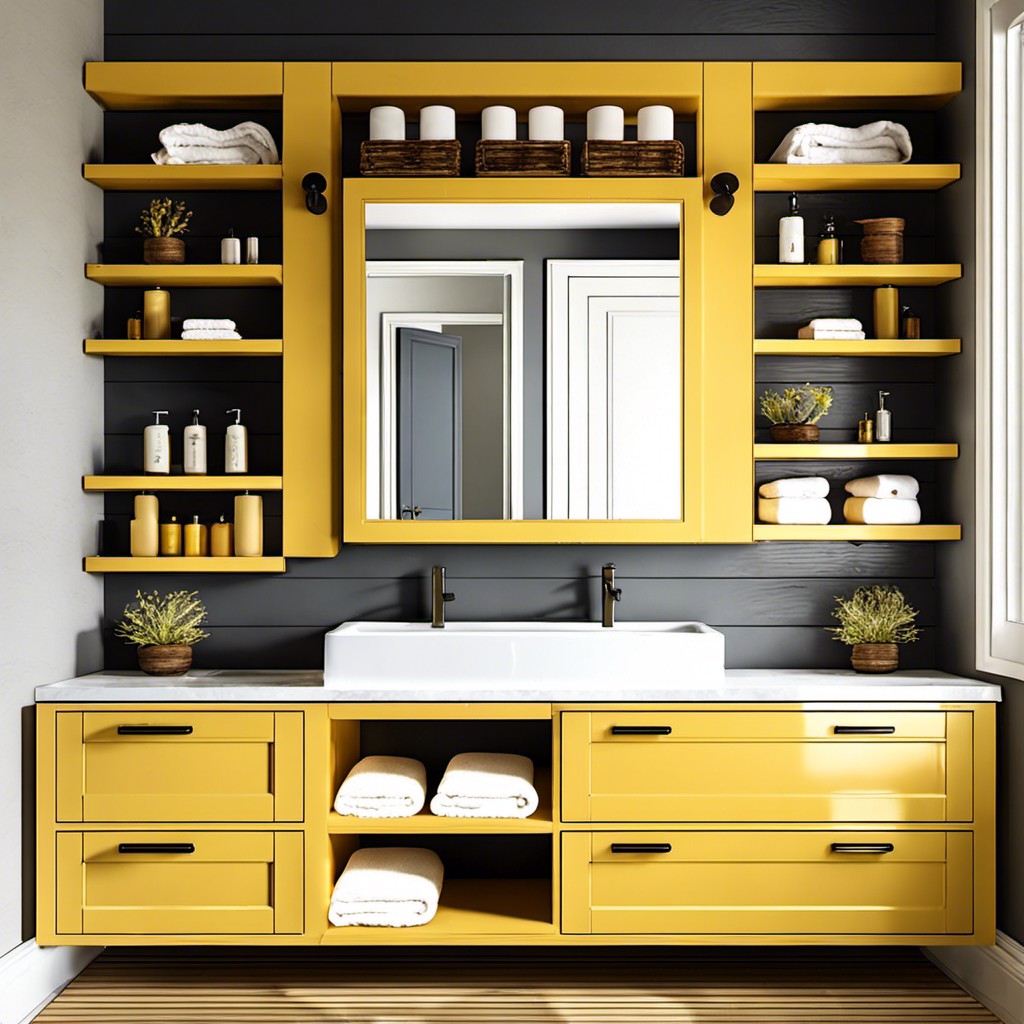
862	847
314	185
156	847
864	730
641	847
154	730
641	730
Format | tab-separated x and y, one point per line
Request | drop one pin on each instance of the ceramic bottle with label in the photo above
194	452
236	445
156	445
791	234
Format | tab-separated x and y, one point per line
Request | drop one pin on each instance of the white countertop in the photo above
806	686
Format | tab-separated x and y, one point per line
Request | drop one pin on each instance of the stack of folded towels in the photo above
889	499
801	500
246	143
881	142
388	886
206	329
833	328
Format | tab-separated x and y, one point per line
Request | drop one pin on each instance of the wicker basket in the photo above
163	250
875	657
606	159
883	240
795	433
411	158
521	158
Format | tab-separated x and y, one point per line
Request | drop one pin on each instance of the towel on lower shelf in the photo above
794	511
830	334
208	324
210	335
882	511
834	323
486	786
881	142
885	485
383	787
388	886
246	143
795	487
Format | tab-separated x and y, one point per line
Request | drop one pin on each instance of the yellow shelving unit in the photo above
180	347
186	275
184	177
426	823
869	347
182	483
182	564
855	452
853	275
854	178
852	532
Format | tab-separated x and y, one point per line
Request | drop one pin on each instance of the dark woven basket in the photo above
883	240
410	158
606	159
522	158
795	433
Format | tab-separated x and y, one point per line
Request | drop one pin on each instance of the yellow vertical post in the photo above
312	336
727	123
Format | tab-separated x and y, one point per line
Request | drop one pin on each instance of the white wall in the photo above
51	396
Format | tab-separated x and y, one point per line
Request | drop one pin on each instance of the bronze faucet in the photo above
610	594
439	597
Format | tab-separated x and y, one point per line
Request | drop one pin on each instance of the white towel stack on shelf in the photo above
888	499
833	328
486	786
207	330
881	142
246	143
794	501
389	887
383	787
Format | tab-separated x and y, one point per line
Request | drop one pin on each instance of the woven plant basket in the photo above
604	158
883	240
412	158
163	250
522	158
875	657
795	433
165	659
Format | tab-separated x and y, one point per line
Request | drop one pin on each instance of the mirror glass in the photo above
524	361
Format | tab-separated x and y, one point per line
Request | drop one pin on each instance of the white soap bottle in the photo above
236	445
194	454
156	445
791	234
883	419
231	248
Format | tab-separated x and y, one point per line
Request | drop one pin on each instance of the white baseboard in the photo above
31	975
994	975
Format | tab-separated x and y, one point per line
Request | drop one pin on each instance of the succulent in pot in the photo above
164	629
795	413
874	622
161	222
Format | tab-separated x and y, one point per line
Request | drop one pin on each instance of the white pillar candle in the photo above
607	122
498	123
387	123
655	123
437	122
546	124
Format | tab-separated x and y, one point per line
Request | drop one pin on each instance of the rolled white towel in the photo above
880	142
882	511
885	485
388	886
832	323
486	786
795	487
794	511
208	324
210	335
383	787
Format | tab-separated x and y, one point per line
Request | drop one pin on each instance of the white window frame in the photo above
1000	367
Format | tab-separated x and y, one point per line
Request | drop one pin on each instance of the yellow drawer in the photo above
179	766
767	766
179	883
764	883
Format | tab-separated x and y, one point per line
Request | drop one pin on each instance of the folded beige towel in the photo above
794	511
383	787
388	886
486	786
885	485
882	511
795	487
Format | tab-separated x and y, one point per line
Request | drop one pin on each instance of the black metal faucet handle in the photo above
615	593
314	185
725	186
447	596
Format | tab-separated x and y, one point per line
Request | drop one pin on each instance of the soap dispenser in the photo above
791	234
194	457
883	419
231	248
236	445
156	445
828	244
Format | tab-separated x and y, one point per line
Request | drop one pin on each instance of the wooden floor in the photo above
599	986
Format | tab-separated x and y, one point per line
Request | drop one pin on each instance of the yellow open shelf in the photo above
849	531
856	275
856	452
186	275
180	347
184	177
170	563
854	177
157	482
867	347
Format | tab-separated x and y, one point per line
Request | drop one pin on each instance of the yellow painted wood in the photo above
288	891
180	347
186	275
856	451
853	275
163	85
321	784
576	899
405	710
311	389
868	347
67	890
182	564
184	177
959	766
288	781
157	482
854	177
984	776
854	532
67	771
576	785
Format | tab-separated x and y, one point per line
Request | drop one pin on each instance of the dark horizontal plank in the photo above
226	371
912	404
780	312
848	369
128	404
918	209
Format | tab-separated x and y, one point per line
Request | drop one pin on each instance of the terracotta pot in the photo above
165	659
875	657
785	433
163	250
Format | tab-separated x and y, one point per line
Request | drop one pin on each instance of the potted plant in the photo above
874	622
164	629
795	413
161	221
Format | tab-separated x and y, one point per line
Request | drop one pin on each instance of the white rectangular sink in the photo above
576	656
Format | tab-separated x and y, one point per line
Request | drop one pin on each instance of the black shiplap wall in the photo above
771	600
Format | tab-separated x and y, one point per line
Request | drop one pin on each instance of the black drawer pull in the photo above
156	847
864	730
862	847
154	730
641	730
641	847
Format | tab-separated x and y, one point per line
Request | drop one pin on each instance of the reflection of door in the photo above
429	424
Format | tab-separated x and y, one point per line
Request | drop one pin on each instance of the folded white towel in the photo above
210	335
885	485
383	787
814	333
388	886
882	511
208	324
794	511
835	323
795	487
227	155
246	143
486	786
881	142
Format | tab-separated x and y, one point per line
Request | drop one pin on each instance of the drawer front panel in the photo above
767	883
767	766
179	883
179	766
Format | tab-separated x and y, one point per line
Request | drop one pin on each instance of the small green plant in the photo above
172	619
874	615
164	219
805	404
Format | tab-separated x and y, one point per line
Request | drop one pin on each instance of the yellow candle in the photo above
222	539
170	537
248	525
145	527
156	313
196	539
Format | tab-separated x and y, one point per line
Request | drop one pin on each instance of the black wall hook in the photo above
724	185
315	184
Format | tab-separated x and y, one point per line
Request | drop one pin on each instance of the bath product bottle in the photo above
887	304
236	445
911	324
156	445
828	245
156	314
252	249
135	326
144	529
248	525
194	453
865	429
196	542
170	537
791	234
883	419
222	539
231	248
